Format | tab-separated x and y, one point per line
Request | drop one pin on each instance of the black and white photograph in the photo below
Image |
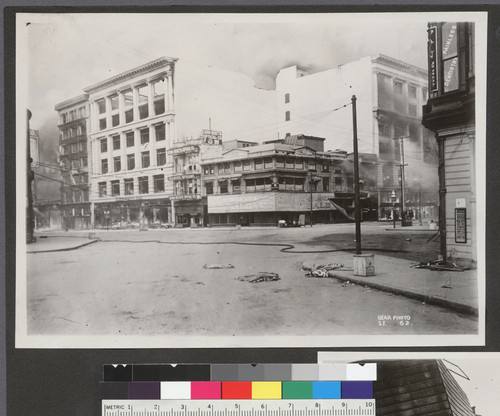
205	180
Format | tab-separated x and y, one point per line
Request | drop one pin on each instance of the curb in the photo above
63	249
431	300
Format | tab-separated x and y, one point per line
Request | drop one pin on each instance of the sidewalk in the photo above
449	289
47	242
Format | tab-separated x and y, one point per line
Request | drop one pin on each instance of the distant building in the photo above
450	113
73	160
131	131
418	387
389	94
283	180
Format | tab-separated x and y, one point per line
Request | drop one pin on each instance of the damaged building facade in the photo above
292	180
390	94
450	113
132	127
73	159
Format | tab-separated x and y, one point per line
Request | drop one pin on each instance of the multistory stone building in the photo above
389	95
73	159
450	113
131	130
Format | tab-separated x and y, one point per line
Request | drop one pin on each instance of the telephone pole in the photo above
402	167
357	208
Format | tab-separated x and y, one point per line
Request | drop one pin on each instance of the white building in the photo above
390	95
131	130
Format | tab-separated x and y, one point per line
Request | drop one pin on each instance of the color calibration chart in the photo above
238	389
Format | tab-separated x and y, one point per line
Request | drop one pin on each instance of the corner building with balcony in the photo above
73	159
292	180
450	113
390	94
131	130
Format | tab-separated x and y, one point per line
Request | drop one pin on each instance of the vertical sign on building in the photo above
449	52
431	51
460	225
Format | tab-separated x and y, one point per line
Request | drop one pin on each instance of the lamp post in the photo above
393	199
310	173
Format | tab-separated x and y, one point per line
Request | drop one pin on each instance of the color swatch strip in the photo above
244	390
240	372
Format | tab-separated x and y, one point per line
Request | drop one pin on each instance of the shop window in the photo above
102	189
209	188
129	138
117	162
129	186
159	183
115	188
104	145
116	142
143	185
104	166
130	162
145	159
161	157
144	135
160	132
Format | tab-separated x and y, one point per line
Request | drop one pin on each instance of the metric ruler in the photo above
304	407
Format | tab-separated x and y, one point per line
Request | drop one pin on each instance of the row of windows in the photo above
74	148
75	163
74	131
398	129
157	92
128	186
161	159
75	195
267	163
72	115
130	138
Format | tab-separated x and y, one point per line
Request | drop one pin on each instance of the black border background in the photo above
65	381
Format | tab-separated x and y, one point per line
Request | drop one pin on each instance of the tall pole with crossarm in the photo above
357	208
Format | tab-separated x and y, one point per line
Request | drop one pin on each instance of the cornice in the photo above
148	67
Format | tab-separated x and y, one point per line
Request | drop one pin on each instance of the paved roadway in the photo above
154	283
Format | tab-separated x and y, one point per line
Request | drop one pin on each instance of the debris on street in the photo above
322	270
259	277
438	265
218	266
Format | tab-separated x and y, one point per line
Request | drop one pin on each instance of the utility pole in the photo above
357	208
30	176
402	167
